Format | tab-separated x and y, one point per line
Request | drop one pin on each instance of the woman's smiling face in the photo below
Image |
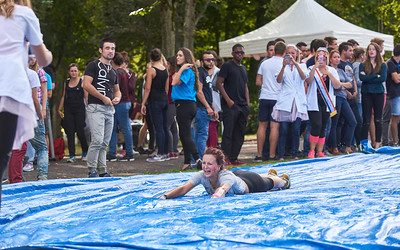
210	166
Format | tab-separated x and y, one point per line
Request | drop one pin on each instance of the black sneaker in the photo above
105	175
126	158
111	158
257	159
93	174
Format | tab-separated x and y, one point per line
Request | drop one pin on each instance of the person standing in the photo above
270	89
100	81
185	88
320	100
393	92
232	84
121	116
373	73
207	73
291	104
155	96
18	25
74	115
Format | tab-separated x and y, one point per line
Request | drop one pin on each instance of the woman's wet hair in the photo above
218	154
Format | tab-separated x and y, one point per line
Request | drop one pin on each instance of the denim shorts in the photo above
265	108
395	105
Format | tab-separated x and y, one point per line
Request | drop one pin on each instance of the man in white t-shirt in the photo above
270	88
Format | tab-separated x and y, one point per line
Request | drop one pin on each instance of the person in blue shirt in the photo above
185	88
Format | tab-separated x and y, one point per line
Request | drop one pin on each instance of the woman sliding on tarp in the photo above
219	181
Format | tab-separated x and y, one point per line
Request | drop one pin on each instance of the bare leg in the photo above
394	121
262	127
273	138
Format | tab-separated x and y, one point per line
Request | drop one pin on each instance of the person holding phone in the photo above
291	105
321	100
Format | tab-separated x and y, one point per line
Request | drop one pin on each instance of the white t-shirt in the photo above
269	70
15	90
15	31
33	77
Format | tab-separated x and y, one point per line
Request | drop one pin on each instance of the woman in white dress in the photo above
18	26
291	106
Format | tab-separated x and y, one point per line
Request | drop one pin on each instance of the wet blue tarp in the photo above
350	201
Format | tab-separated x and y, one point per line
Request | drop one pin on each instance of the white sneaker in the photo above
156	158
28	167
135	152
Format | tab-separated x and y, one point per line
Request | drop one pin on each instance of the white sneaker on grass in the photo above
156	158
28	167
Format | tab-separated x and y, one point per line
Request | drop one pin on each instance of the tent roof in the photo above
304	21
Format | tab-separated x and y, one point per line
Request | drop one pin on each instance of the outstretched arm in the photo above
180	191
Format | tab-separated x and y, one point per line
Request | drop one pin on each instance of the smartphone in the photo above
321	58
287	57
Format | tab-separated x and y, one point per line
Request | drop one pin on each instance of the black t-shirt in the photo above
104	78
310	62
392	88
206	80
235	82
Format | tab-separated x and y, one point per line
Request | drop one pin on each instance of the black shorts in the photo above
265	108
254	181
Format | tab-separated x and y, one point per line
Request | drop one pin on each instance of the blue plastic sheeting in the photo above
337	203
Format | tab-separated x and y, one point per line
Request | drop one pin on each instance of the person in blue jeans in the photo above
121	116
202	119
155	95
343	108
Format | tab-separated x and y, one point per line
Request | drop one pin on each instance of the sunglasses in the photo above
209	60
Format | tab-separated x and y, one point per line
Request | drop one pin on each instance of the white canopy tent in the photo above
304	21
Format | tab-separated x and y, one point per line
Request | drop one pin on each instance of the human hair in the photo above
353	42
125	55
378	60
72	65
326	54
238	45
189	58
209	52
279	39
155	55
118	59
332	52
270	43
301	44
344	46
358	52
280	48
330	39
378	41
172	64
218	154
7	6
105	40
219	62
317	43
396	50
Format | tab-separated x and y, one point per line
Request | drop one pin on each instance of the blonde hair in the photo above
7	6
292	46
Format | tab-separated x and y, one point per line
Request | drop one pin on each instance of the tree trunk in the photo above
189	24
168	28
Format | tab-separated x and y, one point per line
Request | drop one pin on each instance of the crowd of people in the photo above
334	96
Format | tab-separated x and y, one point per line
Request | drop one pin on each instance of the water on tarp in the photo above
345	202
